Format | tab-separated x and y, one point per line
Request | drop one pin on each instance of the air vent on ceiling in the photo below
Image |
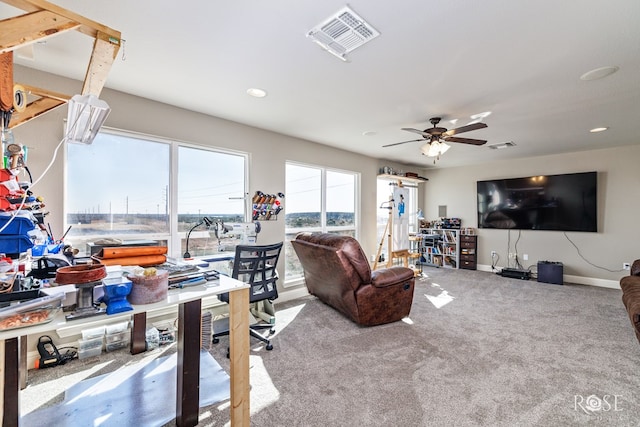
342	33
502	145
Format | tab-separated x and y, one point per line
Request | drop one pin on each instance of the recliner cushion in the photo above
349	247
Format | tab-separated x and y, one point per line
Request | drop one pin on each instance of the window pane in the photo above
120	186
317	200
117	185
292	266
210	184
303	197
340	199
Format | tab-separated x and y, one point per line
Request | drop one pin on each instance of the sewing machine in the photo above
237	233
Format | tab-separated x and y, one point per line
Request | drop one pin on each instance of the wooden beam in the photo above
138	342
32	27
87	26
239	355
11	396
6	81
104	53
188	365
43	20
33	110
46	93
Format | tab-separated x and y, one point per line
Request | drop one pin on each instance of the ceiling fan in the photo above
436	136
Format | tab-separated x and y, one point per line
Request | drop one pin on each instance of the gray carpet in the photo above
479	350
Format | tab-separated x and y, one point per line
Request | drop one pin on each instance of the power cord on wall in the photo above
589	262
494	261
519	265
515	248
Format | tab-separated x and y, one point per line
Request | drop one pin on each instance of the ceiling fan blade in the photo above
467	128
465	140
403	142
419	132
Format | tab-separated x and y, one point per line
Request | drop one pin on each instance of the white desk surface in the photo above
174	297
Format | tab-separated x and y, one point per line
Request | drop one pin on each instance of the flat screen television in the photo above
566	202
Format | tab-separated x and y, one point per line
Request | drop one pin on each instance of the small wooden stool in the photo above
404	254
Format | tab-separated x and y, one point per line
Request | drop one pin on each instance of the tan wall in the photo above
618	205
268	151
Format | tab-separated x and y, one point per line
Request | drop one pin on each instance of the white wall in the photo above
618	205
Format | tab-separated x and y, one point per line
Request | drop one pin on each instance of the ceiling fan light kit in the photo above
437	137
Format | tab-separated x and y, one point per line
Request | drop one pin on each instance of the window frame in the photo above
357	206
173	237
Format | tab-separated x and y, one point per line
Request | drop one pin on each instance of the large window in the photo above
318	199
210	184
121	186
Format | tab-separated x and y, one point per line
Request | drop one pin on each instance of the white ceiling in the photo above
521	60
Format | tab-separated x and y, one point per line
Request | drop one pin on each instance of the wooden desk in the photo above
189	301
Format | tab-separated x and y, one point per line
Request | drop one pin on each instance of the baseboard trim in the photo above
579	280
292	294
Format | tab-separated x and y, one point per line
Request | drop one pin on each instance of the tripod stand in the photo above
389	236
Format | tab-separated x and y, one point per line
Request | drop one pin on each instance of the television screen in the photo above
565	202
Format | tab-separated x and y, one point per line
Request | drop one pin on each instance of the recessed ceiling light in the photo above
595	130
599	73
370	133
257	93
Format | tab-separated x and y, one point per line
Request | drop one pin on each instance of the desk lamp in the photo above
205	221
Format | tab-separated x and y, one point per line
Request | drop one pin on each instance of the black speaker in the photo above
550	272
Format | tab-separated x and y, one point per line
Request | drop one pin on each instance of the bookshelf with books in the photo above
440	247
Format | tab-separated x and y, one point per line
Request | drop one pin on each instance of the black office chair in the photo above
255	265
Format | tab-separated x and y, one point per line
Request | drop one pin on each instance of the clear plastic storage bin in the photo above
30	313
90	347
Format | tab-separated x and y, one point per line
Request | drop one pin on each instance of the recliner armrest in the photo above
390	276
635	268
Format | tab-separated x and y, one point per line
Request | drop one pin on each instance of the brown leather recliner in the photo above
336	271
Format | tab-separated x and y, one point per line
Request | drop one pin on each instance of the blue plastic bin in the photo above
14	243
18	225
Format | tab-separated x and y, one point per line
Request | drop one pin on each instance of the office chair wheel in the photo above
215	341
272	331
269	347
